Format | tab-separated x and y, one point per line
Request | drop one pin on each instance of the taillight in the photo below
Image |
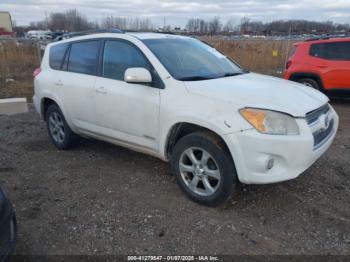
37	72
289	63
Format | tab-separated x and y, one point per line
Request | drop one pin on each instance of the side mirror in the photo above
137	75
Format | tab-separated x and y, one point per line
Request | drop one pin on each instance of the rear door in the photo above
333	60
76	83
51	78
125	111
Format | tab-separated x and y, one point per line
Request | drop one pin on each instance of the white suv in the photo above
180	100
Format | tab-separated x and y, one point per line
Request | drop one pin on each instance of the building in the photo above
5	23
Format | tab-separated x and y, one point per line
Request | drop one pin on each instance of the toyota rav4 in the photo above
181	100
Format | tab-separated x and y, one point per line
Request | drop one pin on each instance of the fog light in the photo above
270	163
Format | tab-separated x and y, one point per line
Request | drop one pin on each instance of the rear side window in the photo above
57	53
119	56
331	51
83	57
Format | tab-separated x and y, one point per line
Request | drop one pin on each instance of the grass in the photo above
18	61
261	56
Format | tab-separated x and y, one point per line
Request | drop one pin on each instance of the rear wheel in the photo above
204	169
309	82
59	132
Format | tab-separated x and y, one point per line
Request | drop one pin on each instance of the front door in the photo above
124	111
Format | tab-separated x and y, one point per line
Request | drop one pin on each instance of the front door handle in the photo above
101	90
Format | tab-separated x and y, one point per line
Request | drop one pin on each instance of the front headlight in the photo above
270	122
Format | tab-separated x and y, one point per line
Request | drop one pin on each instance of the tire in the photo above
309	82
193	173
59	132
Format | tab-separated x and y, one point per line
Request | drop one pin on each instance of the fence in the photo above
258	55
20	57
18	60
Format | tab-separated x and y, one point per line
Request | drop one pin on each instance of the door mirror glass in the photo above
137	75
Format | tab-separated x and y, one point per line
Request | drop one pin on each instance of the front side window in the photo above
188	59
118	56
331	51
83	57
57	53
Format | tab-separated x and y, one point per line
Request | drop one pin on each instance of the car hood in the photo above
260	91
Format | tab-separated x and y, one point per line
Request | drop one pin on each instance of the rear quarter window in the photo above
57	54
331	51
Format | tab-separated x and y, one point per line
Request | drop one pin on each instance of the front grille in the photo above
322	135
313	116
317	121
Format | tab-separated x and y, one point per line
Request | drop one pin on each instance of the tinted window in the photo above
83	57
65	61
189	59
57	53
332	51
119	56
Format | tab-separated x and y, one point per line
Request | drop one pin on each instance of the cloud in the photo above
177	12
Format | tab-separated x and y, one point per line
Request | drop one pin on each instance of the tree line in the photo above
246	26
73	21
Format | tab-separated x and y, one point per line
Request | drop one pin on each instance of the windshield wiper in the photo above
198	78
195	78
232	74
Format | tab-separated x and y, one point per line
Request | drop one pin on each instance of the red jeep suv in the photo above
323	64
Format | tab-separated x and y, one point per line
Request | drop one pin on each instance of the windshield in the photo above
189	59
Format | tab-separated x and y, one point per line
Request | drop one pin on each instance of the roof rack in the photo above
327	37
165	32
90	32
317	38
97	31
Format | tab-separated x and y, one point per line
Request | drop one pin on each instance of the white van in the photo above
39	34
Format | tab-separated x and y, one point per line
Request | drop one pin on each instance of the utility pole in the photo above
46	20
288	43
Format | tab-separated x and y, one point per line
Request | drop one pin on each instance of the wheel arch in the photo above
44	105
46	100
300	75
181	129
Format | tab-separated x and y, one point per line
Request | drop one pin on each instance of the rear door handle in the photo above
59	83
101	90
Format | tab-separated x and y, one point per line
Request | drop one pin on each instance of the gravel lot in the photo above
103	199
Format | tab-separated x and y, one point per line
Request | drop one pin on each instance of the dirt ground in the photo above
103	199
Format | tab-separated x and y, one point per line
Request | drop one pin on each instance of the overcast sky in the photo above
177	12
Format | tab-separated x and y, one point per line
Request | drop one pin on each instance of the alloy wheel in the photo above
56	126
199	171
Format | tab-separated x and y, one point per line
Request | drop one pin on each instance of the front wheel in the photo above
204	169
